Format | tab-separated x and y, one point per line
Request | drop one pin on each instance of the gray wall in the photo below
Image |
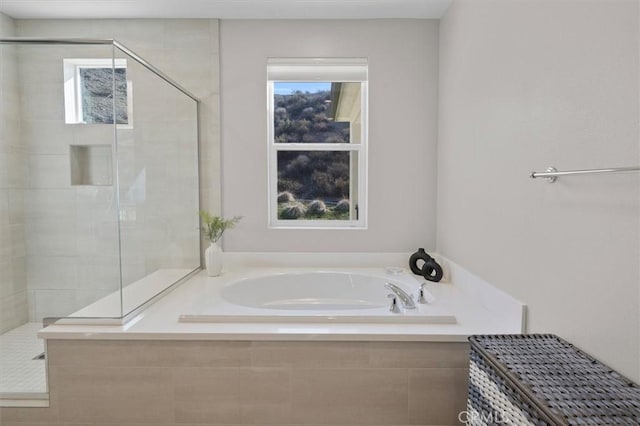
523	86
13	279
402	129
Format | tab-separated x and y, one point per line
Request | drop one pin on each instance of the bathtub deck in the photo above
478	308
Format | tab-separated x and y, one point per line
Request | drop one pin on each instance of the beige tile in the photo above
18	234
4	205
134	33
192	354
53	240
53	27
118	423
12	276
13	311
252	396
310	354
31	424
191	63
17	211
49	171
356	396
207	395
437	395
188	32
112	394
43	100
46	136
17	167
265	395
91	353
100	271
53	303
419	354
51	272
50	206
27	416
11	241
107	353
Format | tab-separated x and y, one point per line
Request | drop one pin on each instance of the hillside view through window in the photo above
314	183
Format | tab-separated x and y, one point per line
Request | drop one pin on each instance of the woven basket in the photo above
540	379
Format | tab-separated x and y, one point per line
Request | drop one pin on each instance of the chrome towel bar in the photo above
551	174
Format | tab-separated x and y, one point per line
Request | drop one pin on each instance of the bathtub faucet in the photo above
407	301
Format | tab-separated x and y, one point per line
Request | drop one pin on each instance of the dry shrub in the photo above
293	211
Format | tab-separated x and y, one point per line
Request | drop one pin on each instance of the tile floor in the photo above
19	372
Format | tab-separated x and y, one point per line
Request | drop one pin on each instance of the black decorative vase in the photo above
415	258
430	269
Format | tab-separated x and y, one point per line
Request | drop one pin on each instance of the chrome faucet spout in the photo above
407	301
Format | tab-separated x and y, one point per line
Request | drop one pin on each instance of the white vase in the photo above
213	260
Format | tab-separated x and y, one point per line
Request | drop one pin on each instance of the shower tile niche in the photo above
91	165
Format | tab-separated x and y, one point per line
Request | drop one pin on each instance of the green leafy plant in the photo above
214	226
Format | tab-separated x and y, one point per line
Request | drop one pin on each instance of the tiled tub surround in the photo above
99	382
156	370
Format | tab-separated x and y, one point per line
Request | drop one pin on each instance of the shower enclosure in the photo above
98	191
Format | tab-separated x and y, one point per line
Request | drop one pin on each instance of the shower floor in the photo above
19	372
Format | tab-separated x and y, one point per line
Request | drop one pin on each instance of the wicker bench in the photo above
543	380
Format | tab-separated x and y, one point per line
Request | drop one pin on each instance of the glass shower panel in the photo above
157	155
70	216
98	192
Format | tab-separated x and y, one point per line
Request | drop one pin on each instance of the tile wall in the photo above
13	177
71	238
241	383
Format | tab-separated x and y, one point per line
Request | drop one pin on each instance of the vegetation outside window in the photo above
317	114
89	85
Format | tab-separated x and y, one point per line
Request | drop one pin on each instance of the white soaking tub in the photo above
320	296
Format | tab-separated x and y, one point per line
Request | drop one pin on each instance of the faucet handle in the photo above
421	298
394	303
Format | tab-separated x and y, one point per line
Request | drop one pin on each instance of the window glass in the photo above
317	143
96	92
315	185
307	112
89	96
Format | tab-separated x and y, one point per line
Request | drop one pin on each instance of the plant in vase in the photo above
213	227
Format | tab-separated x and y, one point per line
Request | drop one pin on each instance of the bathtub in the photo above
312	296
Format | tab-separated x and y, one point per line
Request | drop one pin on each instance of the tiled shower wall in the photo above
71	233
13	177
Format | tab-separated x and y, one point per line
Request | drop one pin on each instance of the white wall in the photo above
402	129
523	86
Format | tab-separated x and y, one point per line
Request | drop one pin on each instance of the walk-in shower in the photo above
98	191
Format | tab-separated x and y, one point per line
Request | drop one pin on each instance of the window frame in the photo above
74	113
361	148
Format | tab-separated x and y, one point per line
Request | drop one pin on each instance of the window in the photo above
317	114
88	91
